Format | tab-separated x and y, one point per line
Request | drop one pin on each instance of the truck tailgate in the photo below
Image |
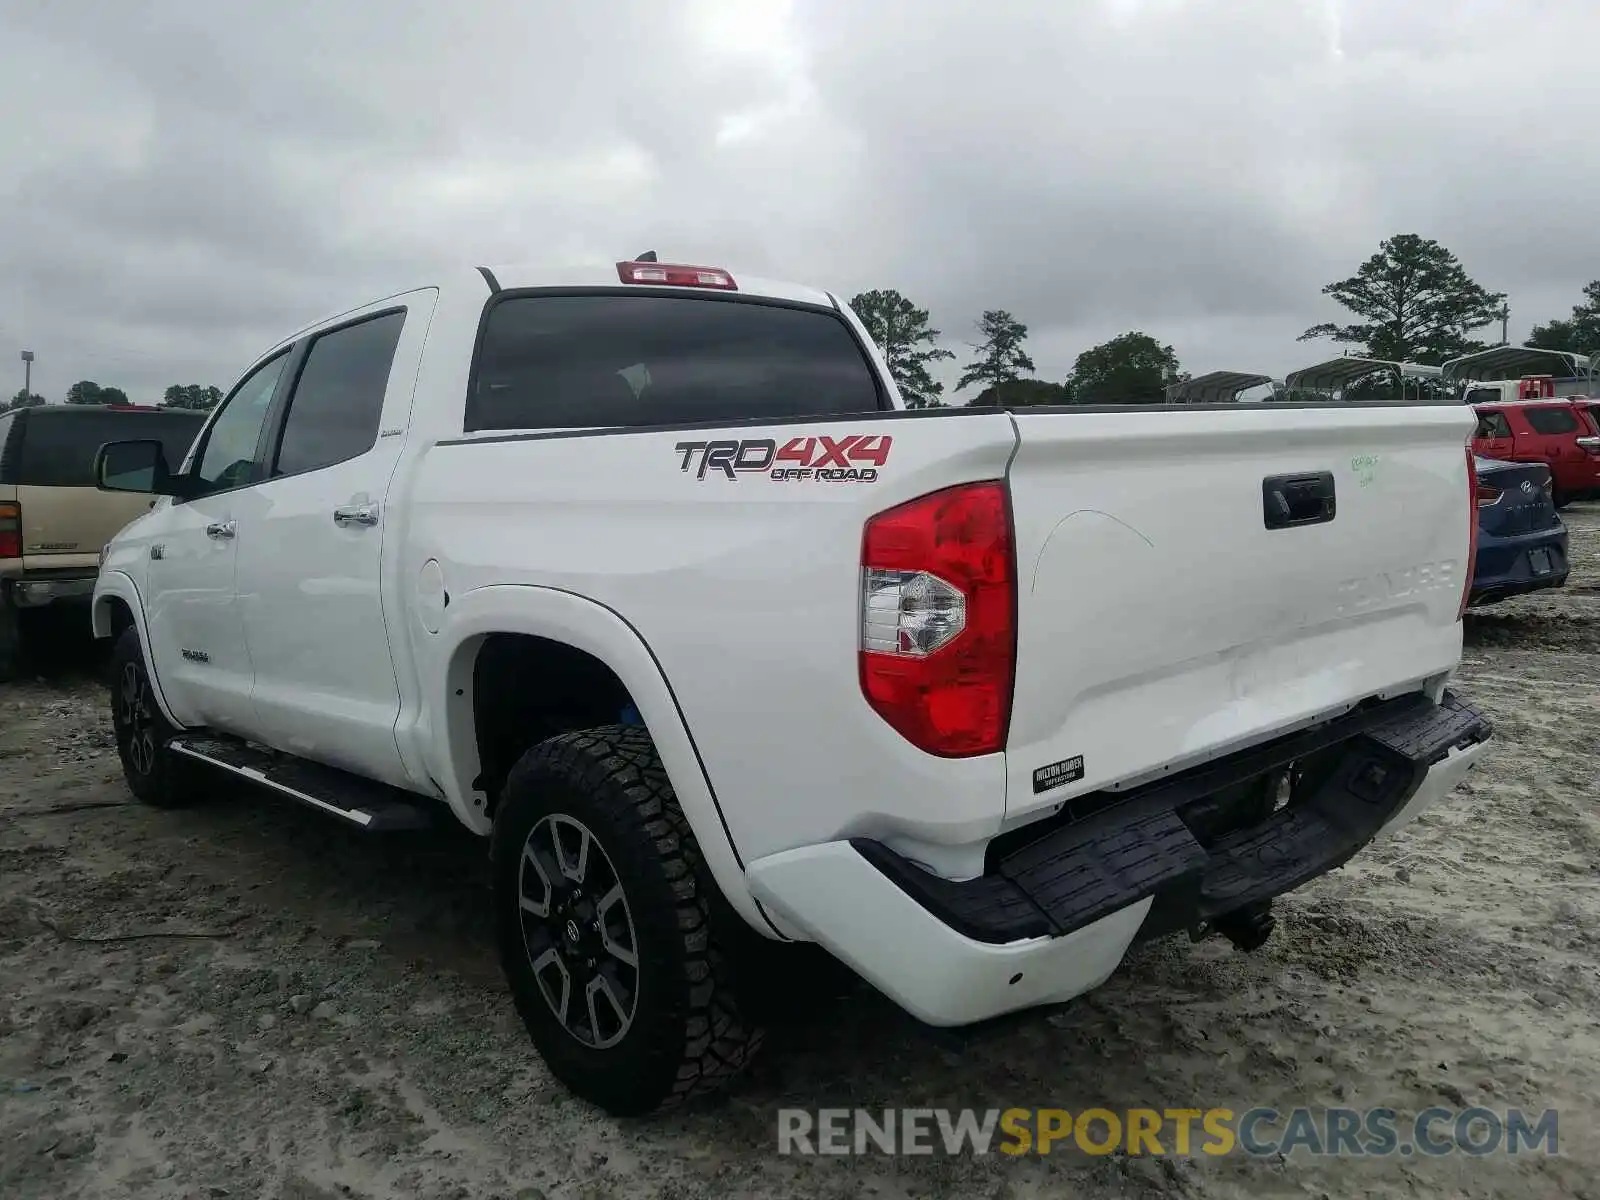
1161	621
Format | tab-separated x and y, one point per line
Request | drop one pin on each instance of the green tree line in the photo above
1411	301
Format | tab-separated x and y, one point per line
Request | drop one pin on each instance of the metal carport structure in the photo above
1514	362
1217	387
1336	374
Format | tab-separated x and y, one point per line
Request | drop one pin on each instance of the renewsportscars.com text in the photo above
1258	1132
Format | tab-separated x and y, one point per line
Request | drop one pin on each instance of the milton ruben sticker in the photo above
1057	773
854	458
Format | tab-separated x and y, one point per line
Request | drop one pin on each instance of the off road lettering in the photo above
818	459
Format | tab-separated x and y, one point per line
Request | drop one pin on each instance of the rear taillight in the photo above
1472	533
676	275
10	530
1487	495
938	619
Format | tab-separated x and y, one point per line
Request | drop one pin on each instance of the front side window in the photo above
551	362
229	457
337	403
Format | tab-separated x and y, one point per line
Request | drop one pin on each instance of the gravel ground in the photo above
243	1000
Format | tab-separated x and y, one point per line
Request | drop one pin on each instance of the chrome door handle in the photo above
357	514
222	529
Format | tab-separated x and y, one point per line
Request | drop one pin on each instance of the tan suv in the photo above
53	520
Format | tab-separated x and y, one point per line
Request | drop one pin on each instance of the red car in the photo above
1560	432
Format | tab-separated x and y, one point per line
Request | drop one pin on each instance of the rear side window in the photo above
1483	396
1493	425
338	400
1552	420
58	448
620	360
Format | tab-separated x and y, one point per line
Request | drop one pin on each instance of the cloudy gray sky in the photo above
182	182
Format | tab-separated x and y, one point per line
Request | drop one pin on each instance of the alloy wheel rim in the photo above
578	931
136	719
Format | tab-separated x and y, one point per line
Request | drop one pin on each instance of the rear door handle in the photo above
222	529
356	514
1289	501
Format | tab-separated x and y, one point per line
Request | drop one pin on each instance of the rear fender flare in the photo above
446	661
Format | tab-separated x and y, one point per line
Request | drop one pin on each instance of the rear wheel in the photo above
613	936
154	773
10	640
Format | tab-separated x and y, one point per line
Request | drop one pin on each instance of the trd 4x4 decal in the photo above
824	459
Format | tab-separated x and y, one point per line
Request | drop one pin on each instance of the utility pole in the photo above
1505	322
27	373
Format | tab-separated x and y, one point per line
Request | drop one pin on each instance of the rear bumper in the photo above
1505	566
1053	916
1583	484
36	593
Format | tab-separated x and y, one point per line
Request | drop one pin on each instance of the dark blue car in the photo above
1522	544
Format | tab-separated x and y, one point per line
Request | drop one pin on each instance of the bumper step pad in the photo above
1141	846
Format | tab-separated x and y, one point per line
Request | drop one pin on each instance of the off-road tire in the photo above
156	776
688	1033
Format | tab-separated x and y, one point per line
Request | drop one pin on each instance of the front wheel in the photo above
612	934
154	774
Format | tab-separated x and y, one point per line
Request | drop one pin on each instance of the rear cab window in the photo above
57	449
561	361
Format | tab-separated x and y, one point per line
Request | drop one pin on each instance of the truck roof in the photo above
604	275
54	411
593	274
1528	401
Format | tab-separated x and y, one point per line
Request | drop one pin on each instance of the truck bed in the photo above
1159	621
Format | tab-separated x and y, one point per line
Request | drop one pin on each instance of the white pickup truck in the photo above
645	574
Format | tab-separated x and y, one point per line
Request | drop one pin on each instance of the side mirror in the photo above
134	466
